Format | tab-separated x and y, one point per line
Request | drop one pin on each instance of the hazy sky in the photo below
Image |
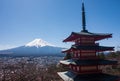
22	21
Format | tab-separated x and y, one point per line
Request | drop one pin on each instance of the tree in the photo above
101	55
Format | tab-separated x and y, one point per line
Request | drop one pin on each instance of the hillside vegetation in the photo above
29	71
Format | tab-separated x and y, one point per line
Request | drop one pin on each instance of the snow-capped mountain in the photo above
36	47
38	43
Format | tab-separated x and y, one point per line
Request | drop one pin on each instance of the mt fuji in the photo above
37	47
38	43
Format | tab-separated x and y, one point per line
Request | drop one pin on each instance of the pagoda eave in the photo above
70	76
88	62
96	48
96	37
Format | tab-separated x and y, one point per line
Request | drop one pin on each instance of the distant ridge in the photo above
37	47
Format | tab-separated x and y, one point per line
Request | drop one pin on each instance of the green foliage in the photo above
114	69
101	55
68	56
113	54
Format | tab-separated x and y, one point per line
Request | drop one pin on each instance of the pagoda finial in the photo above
83	18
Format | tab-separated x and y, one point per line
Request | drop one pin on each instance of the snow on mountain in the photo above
38	43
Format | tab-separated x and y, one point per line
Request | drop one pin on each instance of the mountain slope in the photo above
37	47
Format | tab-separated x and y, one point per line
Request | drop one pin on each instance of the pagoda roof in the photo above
88	62
96	48
70	76
97	36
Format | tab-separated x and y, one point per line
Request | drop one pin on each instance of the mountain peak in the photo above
38	43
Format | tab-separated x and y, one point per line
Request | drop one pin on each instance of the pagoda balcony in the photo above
92	47
87	72
86	57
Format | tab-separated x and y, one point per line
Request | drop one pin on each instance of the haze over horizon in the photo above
53	20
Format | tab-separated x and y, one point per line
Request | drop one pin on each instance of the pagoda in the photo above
84	64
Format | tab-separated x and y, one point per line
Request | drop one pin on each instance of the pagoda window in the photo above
73	67
70	66
77	41
78	54
78	69
74	55
87	40
88	68
71	52
88	53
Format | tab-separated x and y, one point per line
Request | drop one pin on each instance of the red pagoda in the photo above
84	64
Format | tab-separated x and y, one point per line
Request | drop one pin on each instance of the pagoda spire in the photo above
83	18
